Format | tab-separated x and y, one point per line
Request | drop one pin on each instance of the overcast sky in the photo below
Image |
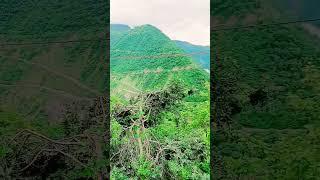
187	20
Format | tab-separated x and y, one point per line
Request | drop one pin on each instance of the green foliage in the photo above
184	129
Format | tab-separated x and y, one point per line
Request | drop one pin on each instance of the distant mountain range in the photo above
200	54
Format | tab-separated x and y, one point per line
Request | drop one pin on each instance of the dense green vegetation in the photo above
160	109
268	98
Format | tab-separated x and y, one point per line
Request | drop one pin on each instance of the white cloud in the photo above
187	20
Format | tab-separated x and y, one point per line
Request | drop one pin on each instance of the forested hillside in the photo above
267	103
159	107
52	65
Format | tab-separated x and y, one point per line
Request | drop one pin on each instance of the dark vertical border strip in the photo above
106	64
214	101
212	98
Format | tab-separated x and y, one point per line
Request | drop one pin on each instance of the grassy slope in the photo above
274	138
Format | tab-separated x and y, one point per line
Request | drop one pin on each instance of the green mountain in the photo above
200	54
268	96
148	57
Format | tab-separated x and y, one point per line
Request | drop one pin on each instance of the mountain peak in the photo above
146	38
148	28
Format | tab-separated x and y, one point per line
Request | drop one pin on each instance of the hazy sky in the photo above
187	20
